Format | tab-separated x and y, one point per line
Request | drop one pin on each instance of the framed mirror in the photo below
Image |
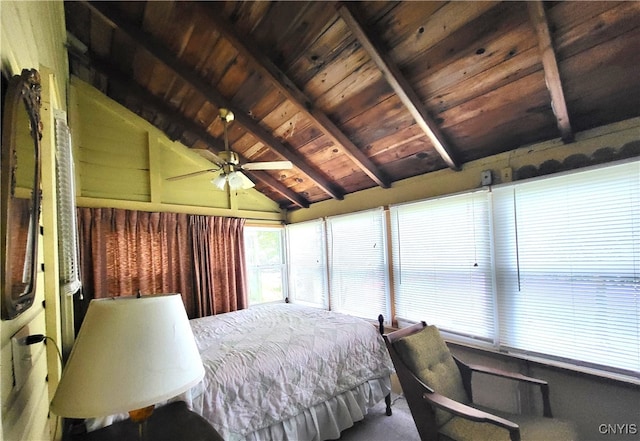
20	191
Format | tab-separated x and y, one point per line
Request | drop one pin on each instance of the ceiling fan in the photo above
228	162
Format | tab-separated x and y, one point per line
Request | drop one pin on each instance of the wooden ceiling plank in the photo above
435	26
166	57
213	144
288	88
513	69
322	52
276	185
551	71
611	23
399	84
476	49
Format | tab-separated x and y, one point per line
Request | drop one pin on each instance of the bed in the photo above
287	372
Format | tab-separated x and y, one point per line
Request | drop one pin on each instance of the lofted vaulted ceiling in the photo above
361	94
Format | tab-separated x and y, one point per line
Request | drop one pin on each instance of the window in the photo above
548	268
442	264
308	264
358	271
568	267
265	261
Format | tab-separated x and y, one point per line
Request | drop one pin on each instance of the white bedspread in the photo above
269	363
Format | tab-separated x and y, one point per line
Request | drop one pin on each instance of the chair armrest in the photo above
544	386
505	374
472	414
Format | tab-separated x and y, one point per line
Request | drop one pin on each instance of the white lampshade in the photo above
220	181
238	181
130	353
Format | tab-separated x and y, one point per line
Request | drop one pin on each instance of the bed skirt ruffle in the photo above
326	420
321	422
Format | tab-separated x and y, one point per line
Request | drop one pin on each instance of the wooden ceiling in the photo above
361	94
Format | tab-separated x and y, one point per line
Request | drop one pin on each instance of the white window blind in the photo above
69	269
442	264
358	274
568	267
308	264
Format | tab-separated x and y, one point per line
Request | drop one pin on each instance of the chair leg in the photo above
387	401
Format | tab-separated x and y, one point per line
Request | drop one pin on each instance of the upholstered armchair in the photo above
438	390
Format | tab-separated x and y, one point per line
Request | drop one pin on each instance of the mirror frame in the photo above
18	297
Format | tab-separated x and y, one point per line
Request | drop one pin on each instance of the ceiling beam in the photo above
287	87
158	106
551	71
398	82
160	52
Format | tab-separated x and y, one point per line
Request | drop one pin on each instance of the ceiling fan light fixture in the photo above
238	181
220	181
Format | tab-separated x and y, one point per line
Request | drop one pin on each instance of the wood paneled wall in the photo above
33	36
123	161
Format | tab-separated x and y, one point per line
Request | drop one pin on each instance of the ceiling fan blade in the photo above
273	165
189	175
209	155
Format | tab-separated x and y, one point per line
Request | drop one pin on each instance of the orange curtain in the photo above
124	252
218	255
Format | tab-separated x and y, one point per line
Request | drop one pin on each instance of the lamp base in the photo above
140	416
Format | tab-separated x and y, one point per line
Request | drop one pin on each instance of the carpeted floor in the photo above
377	426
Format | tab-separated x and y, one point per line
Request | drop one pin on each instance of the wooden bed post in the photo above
387	399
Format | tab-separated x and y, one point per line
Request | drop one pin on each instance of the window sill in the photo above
567	368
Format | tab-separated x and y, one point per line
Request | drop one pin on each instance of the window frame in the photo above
282	266
320	269
607	371
383	302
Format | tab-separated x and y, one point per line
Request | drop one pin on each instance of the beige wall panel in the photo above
120	156
253	200
27	412
32	35
112	154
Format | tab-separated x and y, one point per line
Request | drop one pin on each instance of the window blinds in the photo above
358	264
307	264
69	269
442	264
568	266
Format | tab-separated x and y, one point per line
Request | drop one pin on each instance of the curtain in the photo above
219	264
123	252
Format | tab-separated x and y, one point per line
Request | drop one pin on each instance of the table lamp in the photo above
130	353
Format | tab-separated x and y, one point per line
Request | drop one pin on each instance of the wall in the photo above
123	161
32	36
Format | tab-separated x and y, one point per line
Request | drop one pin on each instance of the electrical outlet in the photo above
505	174
486	177
23	356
